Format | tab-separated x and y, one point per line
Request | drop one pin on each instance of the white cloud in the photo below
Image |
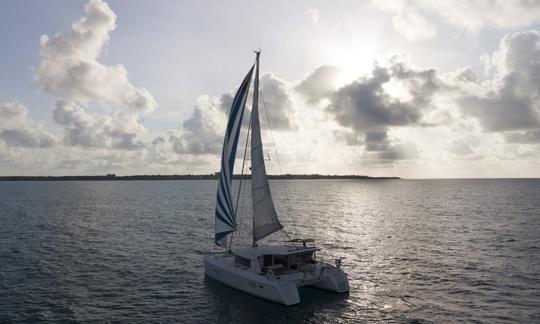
414	17
460	147
202	133
70	66
97	131
16	130
414	26
314	15
397	115
510	101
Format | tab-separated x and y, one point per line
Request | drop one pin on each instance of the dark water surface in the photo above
426	250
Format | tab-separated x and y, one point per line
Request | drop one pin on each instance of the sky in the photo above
416	89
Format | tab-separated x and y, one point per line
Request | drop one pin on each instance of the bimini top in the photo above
256	251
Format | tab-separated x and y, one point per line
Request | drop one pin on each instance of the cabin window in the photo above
307	257
267	260
242	261
302	258
280	259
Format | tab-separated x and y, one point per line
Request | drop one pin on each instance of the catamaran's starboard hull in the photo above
333	279
222	269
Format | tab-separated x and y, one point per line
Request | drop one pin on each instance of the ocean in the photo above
131	251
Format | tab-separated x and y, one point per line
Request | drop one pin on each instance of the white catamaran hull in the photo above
222	269
333	279
284	290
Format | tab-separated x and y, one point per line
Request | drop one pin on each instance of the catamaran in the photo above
271	272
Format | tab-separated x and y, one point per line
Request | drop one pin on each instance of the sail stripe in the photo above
221	235
221	211
225	218
218	216
224	197
234	129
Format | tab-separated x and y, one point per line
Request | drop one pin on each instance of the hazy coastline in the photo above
112	177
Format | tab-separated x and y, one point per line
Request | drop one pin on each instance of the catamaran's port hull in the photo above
222	269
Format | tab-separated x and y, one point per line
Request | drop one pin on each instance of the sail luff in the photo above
225	220
265	220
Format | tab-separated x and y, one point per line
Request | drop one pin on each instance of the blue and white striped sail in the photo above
225	211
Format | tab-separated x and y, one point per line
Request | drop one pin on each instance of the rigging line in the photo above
242	202
242	207
241	176
279	165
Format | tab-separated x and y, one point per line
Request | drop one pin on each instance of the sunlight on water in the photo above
433	250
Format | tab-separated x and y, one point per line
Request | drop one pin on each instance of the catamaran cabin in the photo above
278	259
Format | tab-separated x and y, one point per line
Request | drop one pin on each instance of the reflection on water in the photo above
237	306
431	250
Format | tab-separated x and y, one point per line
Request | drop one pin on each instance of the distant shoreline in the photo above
112	177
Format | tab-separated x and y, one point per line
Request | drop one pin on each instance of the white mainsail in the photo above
265	220
225	212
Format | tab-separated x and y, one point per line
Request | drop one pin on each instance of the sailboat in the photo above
271	272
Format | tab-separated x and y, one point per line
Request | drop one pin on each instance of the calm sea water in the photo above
417	251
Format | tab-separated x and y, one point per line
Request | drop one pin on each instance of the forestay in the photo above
265	220
225	211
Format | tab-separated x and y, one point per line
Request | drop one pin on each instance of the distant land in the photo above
113	177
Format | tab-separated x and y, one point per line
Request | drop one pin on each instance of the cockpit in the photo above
287	263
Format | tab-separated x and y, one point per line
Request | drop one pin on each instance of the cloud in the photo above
531	137
275	99
401	151
414	26
203	132
460	147
314	15
16	130
319	84
365	104
511	101
376	141
70	69
91	130
395	95
414	17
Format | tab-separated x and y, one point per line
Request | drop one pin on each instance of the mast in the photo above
265	220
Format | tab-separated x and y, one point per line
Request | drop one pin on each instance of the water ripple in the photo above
416	251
